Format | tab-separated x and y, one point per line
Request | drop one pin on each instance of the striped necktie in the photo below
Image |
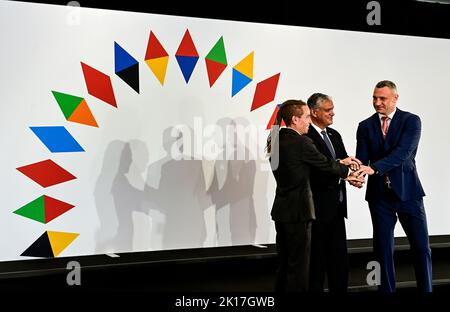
384	130
385	125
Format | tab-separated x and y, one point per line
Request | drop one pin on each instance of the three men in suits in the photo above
292	156
387	143
329	241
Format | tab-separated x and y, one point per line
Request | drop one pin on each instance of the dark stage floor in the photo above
224	269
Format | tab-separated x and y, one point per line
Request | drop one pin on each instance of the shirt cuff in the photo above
374	168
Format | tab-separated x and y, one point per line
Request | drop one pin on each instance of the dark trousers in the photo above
293	243
329	255
411	215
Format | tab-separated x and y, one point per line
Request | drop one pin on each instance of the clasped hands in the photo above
359	171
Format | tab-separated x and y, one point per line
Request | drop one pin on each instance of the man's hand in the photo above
352	162
355	180
356	183
363	170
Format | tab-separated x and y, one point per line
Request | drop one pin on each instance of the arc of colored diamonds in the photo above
265	91
44	209
242	74
46	173
75	109
57	139
216	61
156	58
98	84
50	244
126	67
273	117
187	56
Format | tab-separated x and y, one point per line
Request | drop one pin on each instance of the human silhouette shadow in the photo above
119	193
231	189
179	194
104	202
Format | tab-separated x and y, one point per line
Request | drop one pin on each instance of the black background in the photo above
405	17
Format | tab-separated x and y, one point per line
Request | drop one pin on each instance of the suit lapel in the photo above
376	129
320	143
336	144
392	134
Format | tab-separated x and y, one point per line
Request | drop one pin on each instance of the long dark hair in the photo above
287	110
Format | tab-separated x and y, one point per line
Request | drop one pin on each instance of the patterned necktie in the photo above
328	143
384	129
385	125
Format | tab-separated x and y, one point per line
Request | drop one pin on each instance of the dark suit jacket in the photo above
394	156
327	186
297	154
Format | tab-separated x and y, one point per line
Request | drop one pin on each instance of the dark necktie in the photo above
328	143
331	149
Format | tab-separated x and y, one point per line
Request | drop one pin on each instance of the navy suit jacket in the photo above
394	156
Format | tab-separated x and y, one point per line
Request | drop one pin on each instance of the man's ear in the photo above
313	112
294	120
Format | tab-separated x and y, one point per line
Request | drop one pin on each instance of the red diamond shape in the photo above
98	84
265	91
46	173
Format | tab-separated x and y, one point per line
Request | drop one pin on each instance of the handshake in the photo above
358	171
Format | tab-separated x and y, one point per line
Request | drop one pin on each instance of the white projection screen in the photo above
181	163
